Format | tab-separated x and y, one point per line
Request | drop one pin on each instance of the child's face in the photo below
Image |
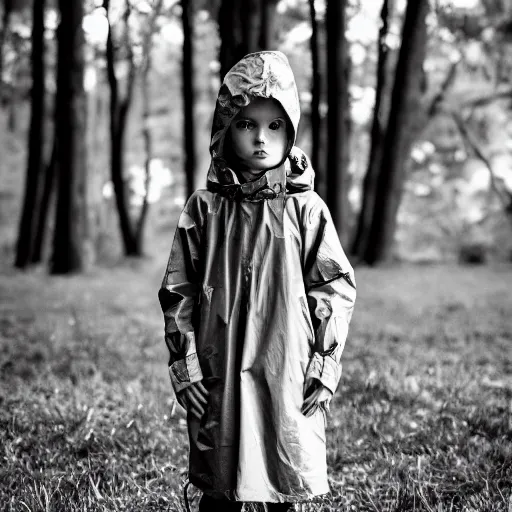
259	135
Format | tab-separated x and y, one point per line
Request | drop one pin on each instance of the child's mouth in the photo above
260	153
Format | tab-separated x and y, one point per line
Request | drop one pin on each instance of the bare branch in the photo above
471	140
489	98
439	97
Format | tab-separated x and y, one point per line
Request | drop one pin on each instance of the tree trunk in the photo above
69	232
239	28
377	138
229	31
44	206
245	27
401	131
338	115
250	17
117	173
315	90
35	141
148	146
118	116
267	38
188	97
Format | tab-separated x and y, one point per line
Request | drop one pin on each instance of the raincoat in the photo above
257	299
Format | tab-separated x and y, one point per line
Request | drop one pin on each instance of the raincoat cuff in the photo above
185	372
325	369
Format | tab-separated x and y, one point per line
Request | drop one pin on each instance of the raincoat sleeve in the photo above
178	297
331	291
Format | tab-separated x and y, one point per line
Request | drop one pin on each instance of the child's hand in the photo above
194	398
319	397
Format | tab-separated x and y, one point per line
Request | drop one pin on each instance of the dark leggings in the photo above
209	504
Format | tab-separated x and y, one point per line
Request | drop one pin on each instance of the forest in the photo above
405	112
106	109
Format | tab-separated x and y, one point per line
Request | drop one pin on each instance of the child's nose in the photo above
260	136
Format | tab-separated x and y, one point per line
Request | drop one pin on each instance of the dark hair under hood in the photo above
265	75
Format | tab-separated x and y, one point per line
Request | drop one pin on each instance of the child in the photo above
257	298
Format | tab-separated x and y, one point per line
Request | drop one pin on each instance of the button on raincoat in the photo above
257	299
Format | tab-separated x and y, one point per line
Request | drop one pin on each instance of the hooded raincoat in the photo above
257	299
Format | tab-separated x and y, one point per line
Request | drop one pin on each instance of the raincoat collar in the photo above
295	175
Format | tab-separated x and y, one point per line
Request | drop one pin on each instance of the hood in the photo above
266	75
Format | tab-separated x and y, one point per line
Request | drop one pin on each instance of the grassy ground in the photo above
422	419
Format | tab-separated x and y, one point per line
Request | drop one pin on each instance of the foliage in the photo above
476	37
422	420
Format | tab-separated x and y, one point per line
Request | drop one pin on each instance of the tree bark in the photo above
188	97
239	31
229	31
44	206
118	115
267	38
401	131
245	27
69	232
315	89
250	17
337	116
377	139
35	140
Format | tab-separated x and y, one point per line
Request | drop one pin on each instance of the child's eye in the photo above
244	125
275	125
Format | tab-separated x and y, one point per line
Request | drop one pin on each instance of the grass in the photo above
422	419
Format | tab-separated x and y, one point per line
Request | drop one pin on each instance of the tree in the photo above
131	233
315	89
44	205
118	116
401	130
245	27
70	119
377	139
338	117
188	96
35	141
